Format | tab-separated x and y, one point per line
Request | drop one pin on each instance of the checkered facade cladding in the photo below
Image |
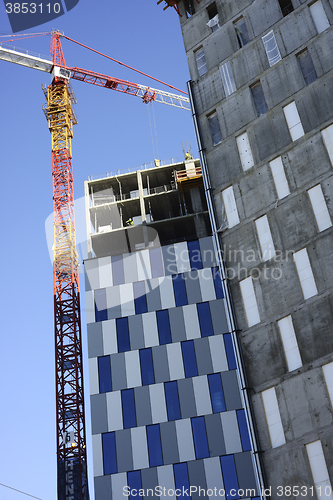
165	401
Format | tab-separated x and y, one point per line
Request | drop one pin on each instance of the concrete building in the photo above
167	410
262	86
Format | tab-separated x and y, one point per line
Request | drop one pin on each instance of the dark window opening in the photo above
306	64
214	128
286	7
259	99
214	21
189	8
241	32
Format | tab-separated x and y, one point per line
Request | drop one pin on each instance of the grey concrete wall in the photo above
304	404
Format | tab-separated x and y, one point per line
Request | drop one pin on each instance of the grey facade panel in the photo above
160	362
130	268
192	287
91	274
169	443
103	488
99	417
231	390
124	450
153	295
203	357
219	319
246	479
197	478
207	252
95	340
135	328
149	481
215	435
169	260
118	371
186	398
177	324
113	302
142	405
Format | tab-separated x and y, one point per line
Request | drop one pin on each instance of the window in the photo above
273	417
305	274
179	290
101	312
181	478
189	8
213	22
154	445
307	67
104	373
319	471
201	61
214	128
128	406
205	320
217	283
286	7
122	334
140	300
227	78
272	50
259	99
241	32
163	325
289	342
194	254
216	393
230	206
249	301
147	370
172	400
190	363
109	453
229	349
244	150
243	430
229	476
200	437
319	208
327	135
279	177
328	375
265	238
293	121
134	482
319	16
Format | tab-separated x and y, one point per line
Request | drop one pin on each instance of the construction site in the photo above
205	329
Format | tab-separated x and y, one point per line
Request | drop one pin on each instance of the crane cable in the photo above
29	35
123	64
23	493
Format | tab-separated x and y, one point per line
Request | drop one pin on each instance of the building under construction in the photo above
167	409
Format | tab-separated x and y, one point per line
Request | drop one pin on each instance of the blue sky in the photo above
113	133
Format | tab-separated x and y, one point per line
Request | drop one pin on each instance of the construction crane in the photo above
70	418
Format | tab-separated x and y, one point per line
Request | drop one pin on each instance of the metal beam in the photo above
25	59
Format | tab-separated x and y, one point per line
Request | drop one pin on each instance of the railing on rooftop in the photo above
144	166
102	198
